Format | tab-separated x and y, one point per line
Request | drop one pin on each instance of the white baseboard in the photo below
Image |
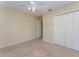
49	41
14	43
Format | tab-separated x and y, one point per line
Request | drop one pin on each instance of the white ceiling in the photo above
42	6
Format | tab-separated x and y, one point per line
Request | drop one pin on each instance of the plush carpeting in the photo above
37	48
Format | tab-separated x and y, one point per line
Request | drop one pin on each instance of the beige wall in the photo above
16	27
48	20
48	27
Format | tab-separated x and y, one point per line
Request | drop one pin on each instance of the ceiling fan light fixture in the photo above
32	2
29	8
33	9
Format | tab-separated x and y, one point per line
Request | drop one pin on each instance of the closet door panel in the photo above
59	30
68	30
75	33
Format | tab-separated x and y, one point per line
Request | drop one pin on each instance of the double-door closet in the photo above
66	30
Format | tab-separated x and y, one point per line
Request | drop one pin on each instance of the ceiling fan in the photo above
32	7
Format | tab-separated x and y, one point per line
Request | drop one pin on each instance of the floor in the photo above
37	48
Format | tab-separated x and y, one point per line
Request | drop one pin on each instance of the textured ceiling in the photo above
42	6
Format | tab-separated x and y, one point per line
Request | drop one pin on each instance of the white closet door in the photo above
75	33
59	30
68	30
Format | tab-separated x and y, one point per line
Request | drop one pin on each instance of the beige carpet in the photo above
37	48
